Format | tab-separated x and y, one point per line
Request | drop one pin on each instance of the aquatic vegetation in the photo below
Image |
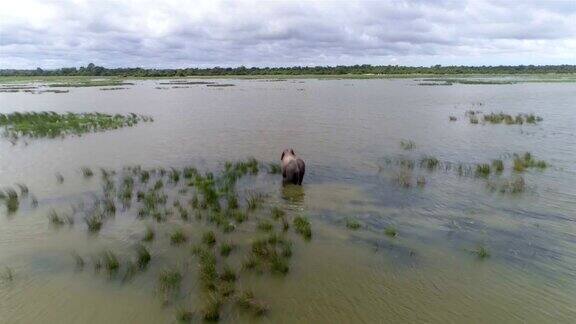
226	248
228	274
429	162
110	262
143	256
10	198
87	172
247	301
481	252
209	238
391	231
302	227
453	118
178	237
407	144
232	201
278	213
94	222
265	225
23	189
519	119
274	168
148	235
515	185
58	220
52	124
352	224
183	315
473	120
498	165
483	170
169	280
211	309
254	200
522	162
403	178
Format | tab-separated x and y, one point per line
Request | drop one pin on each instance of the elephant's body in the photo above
293	168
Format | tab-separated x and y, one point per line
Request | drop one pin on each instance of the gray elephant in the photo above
292	167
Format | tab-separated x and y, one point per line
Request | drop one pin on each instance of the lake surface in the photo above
349	134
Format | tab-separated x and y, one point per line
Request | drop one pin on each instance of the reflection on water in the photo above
428	272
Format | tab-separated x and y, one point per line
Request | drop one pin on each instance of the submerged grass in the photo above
302	227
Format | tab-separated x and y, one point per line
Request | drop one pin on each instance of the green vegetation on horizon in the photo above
365	69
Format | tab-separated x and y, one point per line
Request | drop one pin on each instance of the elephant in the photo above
293	168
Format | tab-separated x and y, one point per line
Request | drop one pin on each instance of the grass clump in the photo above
481	252
278	213
302	227
265	225
51	124
94	222
226	249
143	256
183	315
522	162
483	170
498	166
110	262
274	168
211	309
407	145
59	220
87	172
169	280
7	274
178	237
352	224
209	238
254	200
247	301
10	198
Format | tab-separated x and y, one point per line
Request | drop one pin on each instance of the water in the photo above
346	130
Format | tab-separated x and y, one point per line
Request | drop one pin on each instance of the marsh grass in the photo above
209	238
247	301
519	119
274	168
183	315
87	172
254	200
407	145
226	248
178	237
481	252
302	227
526	160
352	224
59	178
265	225
110	262
52	124
483	170
59	220
143	257
498	166
211	309
10	198
169	280
94	222
278	213
228	274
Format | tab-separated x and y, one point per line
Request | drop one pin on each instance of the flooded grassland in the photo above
422	203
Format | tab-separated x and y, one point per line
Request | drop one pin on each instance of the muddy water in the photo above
346	130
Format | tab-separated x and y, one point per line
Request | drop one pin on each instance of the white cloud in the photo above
177	33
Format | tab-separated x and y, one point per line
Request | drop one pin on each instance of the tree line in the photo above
94	70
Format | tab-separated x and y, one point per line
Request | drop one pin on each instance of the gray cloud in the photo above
176	33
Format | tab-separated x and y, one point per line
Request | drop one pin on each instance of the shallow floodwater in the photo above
348	131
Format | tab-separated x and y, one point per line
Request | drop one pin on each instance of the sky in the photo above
176	33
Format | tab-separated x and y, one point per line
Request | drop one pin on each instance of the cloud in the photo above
175	33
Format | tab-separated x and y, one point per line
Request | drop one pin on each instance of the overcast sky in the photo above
173	34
